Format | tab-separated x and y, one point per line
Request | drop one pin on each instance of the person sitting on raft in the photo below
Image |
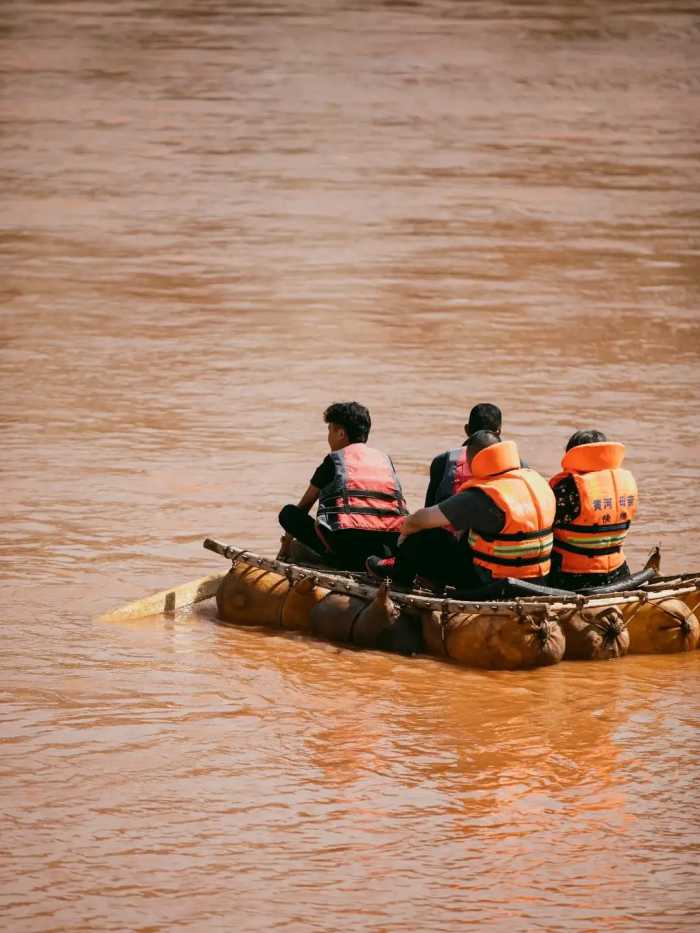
596	501
505	513
449	470
360	501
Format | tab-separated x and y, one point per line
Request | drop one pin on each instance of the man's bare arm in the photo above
431	517
308	499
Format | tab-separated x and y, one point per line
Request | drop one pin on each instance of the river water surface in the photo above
215	219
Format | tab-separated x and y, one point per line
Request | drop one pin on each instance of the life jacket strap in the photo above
366	494
594	529
586	551
512	561
362	510
517	536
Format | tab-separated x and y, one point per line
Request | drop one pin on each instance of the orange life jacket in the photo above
365	492
523	548
592	542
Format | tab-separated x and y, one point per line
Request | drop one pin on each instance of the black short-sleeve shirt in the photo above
324	473
437	469
475	509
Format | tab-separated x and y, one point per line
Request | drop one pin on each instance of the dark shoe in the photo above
381	568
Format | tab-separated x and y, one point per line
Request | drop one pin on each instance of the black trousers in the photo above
347	549
439	556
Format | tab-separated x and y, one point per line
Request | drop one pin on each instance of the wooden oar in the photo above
167	601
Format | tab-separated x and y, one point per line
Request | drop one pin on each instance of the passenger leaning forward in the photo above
596	501
505	513
360	501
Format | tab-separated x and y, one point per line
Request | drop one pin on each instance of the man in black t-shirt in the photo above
445	468
361	504
449	469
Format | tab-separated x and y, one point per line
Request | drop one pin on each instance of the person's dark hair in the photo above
484	417
480	440
589	436
353	417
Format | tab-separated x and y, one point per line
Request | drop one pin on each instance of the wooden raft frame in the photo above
347	582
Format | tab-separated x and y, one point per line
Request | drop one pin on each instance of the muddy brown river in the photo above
216	218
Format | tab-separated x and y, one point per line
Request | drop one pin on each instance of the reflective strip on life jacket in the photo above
584	546
534	548
365	493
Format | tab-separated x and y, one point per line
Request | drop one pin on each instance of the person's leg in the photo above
353	546
300	525
437	555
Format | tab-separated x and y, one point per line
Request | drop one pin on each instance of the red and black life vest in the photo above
523	548
592	542
456	473
365	493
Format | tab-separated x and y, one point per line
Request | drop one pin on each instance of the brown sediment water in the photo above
216	219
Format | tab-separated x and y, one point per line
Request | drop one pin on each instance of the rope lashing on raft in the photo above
541	628
681	620
608	621
644	599
444	619
544	628
238	555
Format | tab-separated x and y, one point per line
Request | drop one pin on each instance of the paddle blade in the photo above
167	600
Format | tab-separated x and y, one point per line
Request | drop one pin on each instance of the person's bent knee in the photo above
286	516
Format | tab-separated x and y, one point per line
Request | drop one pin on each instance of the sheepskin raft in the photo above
506	634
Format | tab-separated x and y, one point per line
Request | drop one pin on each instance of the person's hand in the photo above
404	530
